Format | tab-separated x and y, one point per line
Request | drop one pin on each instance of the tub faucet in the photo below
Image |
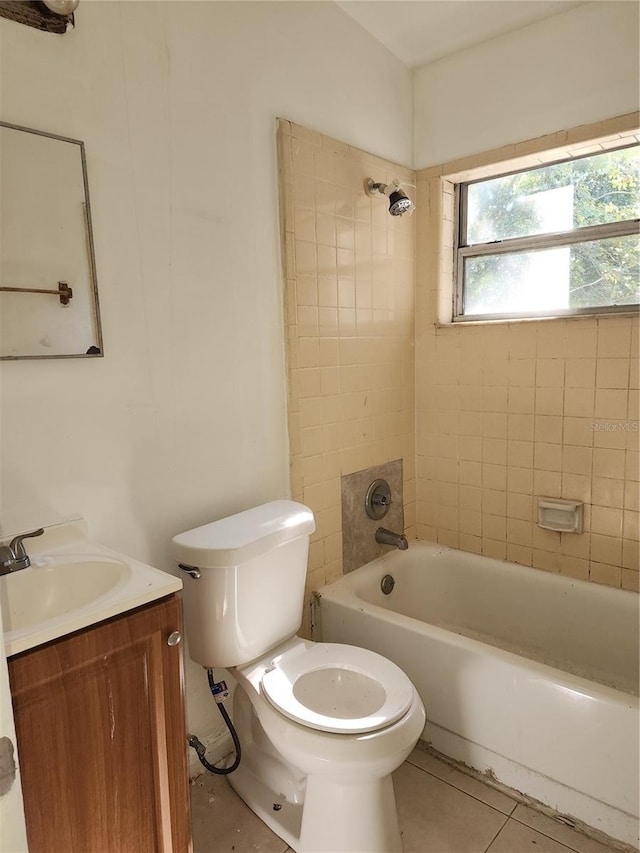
388	537
13	557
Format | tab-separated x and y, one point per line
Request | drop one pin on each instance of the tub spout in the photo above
388	537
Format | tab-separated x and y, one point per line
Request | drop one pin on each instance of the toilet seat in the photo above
337	688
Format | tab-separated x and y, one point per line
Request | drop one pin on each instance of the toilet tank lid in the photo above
238	538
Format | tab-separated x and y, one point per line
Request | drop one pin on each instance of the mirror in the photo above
48	289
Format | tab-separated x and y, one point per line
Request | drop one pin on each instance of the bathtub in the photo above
528	676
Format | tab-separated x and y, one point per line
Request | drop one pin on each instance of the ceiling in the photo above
421	31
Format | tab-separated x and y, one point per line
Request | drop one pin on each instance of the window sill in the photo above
601	315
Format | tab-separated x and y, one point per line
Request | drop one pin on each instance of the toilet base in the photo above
285	821
317	813
335	818
349	817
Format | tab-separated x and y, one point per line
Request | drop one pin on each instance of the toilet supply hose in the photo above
200	747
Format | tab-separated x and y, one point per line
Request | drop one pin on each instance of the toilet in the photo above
322	725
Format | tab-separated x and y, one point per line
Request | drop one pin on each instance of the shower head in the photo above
399	201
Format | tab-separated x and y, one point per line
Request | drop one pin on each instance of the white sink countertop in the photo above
73	583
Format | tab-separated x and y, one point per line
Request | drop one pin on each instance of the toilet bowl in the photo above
342	720
336	688
322	725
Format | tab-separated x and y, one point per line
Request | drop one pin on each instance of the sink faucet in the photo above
388	537
13	557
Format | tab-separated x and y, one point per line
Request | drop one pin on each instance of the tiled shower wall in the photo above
507	412
349	319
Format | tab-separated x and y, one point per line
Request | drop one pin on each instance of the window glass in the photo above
562	238
589	191
584	275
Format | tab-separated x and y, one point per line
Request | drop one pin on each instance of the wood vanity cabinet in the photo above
101	737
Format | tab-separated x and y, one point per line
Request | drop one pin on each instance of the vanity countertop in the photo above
73	583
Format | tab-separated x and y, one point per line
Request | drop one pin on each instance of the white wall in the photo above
574	68
184	419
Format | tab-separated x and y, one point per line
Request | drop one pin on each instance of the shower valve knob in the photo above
378	499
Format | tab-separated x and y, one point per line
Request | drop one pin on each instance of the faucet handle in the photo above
16	543
6	557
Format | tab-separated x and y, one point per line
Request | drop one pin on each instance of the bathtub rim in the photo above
344	591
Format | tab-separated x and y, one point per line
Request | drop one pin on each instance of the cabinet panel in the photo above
101	738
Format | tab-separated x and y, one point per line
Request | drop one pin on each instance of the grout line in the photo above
526	804
506	815
475	775
566	826
487	848
544	834
550	837
537	831
511	816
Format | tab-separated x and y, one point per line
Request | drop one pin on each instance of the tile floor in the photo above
440	808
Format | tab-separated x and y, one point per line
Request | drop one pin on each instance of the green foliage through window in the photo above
513	259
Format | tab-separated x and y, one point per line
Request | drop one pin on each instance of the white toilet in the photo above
322	726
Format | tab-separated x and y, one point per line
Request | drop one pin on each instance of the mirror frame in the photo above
90	250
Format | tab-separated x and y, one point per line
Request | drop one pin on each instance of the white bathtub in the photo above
526	674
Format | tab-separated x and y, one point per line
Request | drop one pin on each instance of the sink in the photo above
73	583
54	587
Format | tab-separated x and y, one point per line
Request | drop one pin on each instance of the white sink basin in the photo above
55	587
72	583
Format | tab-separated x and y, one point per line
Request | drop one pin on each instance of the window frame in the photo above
512	245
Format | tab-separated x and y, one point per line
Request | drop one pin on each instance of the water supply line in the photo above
200	747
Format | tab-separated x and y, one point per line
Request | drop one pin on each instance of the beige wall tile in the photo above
577	431
574	567
631	555
522	401
606	549
631	496
605	573
631	525
550	373
520	480
610	405
549	401
575	546
547	560
519	506
519	554
613	373
609	463
607	521
576	486
614	338
580	372
577	460
579	402
520	454
632	466
494	502
503	412
349	334
493	548
548	429
521	427
547	457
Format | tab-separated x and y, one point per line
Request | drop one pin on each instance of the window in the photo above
552	240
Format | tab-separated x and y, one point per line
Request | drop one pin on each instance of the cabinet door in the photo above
101	738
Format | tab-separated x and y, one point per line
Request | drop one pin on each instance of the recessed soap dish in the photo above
560	515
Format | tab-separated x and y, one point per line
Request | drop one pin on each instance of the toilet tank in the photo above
250	592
